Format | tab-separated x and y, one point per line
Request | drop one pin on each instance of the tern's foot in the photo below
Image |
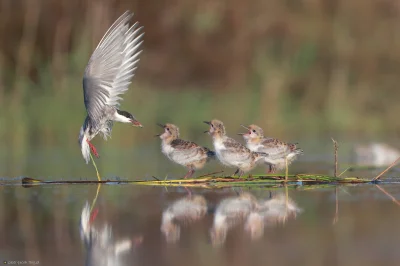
93	215
94	151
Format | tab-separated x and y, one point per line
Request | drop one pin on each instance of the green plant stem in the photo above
94	164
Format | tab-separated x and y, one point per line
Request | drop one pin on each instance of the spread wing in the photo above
111	66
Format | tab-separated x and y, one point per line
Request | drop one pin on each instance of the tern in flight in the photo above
107	76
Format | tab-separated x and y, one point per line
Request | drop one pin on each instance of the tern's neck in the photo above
121	118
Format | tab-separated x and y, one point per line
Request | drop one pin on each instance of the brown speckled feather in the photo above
181	144
278	149
236	146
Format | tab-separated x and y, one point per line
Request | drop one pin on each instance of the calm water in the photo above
41	225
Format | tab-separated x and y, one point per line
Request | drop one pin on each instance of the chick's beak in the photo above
208	123
160	125
245	127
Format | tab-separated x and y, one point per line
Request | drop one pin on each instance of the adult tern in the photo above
107	76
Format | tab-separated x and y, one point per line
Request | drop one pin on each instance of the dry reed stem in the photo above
387	169
335	145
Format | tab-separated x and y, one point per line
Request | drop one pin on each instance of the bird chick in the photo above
278	151
183	152
230	152
183	211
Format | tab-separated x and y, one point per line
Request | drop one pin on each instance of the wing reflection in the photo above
183	211
101	247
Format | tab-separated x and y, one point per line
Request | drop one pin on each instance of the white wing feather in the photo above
111	66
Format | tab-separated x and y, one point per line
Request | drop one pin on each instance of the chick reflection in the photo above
183	211
269	213
229	213
101	248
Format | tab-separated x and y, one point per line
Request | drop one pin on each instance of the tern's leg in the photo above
93	149
95	167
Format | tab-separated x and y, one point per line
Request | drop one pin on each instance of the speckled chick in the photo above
183	152
277	150
231	152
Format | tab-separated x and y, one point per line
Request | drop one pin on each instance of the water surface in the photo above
41	224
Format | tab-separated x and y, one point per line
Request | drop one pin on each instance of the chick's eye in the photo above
212	125
168	128
254	131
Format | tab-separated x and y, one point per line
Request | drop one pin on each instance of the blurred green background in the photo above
304	70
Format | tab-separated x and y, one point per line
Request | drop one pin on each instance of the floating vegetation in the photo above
216	181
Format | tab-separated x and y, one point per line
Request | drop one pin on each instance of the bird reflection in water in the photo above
182	212
229	213
271	212
101	247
